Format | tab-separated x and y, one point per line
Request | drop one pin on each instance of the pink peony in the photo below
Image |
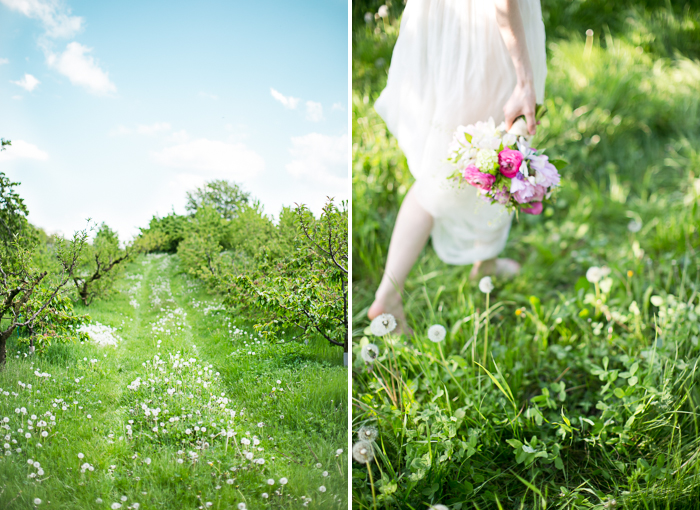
478	179
509	161
534	209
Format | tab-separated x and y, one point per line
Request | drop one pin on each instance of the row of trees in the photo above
38	274
290	276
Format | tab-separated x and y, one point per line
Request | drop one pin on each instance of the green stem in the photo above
371	482
486	339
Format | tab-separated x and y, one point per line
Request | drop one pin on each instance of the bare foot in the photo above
494	267
390	302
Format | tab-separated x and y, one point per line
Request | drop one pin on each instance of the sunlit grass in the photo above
555	419
162	315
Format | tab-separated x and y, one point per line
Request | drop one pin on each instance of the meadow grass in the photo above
588	395
170	417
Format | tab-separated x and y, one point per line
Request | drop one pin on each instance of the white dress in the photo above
450	66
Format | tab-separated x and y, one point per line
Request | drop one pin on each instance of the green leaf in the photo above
559	164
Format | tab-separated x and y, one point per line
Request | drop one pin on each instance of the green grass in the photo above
172	330
589	393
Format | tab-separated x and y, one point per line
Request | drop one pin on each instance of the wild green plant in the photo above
589	396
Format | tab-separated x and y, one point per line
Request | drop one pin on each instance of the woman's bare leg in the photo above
411	232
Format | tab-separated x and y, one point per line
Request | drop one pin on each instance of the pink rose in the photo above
478	179
509	161
535	208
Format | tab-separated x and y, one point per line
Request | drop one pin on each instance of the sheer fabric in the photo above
450	66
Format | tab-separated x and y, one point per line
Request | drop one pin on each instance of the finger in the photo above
531	123
510	118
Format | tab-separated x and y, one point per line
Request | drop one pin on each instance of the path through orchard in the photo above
173	403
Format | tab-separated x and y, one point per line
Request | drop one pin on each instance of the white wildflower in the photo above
369	353
436	333
362	452
486	285
383	324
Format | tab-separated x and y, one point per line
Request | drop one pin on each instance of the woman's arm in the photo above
522	101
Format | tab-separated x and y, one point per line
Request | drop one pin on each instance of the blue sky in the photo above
116	109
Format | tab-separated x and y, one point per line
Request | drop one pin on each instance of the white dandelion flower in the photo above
436	333
438	507
325	473
369	353
362	452
367	433
486	285
595	274
37	501
265	495
383	11
270	481
322	488
383	324
634	226
283	481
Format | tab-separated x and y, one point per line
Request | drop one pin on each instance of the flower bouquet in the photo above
502	165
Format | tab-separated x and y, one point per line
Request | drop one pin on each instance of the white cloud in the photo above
81	69
212	159
120	130
16	98
153	128
288	102
179	136
338	106
28	83
55	17
23	150
314	111
4	61
141	129
208	95
320	157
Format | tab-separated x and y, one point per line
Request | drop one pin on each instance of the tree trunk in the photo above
346	354
4	335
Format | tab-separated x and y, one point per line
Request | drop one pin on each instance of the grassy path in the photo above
188	410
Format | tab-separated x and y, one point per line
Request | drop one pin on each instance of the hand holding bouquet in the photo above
503	166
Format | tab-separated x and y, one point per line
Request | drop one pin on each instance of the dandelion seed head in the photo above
369	353
486	285
383	324
362	451
436	333
367	433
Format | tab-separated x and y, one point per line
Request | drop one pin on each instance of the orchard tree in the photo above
308	289
99	265
226	197
13	212
28	294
